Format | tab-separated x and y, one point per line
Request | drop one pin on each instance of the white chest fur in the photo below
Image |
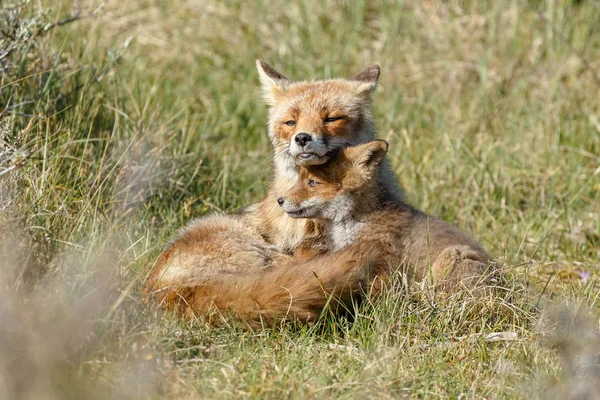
342	233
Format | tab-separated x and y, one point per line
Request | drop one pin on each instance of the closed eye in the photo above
332	119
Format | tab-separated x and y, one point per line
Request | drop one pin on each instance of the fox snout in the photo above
309	148
288	204
302	139
295	209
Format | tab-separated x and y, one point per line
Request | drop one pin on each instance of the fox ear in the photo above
273	83
367	79
368	156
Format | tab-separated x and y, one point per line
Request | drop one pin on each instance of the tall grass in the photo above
121	121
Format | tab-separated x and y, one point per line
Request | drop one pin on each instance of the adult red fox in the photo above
308	123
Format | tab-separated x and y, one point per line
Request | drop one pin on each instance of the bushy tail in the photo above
295	290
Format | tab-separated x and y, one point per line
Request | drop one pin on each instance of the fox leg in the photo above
460	265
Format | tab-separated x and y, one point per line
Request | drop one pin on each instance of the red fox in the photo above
352	206
368	234
308	123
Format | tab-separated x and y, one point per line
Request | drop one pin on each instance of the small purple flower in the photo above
584	276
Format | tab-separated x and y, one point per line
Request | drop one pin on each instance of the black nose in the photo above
302	139
280	201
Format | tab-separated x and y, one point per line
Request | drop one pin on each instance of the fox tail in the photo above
296	290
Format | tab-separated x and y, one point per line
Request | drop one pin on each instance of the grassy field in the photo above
118	127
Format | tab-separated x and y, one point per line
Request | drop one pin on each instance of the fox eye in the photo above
332	119
291	122
312	183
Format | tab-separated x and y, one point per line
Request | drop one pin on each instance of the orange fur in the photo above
292	290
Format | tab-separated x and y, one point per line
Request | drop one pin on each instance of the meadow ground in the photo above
121	125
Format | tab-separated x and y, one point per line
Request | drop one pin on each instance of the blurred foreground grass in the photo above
120	126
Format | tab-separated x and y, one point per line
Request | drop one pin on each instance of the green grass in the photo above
121	126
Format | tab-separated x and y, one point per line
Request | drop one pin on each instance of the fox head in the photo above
309	121
333	190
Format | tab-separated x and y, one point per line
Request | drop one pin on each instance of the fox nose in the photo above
280	201
302	138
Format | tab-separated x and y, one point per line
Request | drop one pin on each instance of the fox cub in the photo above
352	207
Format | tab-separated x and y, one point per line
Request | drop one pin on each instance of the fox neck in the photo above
286	168
344	227
342	233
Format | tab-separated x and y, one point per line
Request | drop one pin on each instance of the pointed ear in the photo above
367	156
273	83
367	79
